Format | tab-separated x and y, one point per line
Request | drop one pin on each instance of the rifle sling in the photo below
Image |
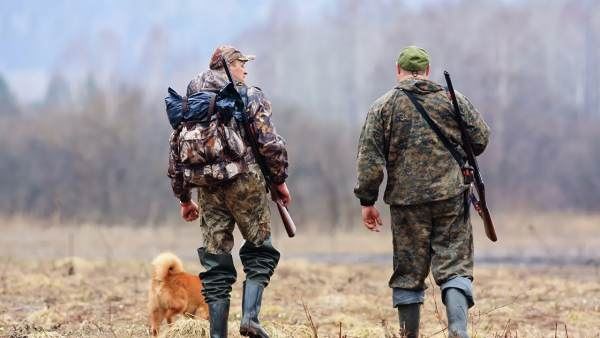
436	129
211	104
449	145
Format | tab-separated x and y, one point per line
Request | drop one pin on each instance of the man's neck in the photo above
411	76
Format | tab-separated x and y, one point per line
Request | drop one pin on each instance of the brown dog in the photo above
173	291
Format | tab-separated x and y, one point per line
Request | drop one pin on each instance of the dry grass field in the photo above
86	281
79	298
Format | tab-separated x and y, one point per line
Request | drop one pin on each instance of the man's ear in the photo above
398	69
427	70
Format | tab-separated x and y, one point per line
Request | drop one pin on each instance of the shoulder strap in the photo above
184	104
451	148
211	104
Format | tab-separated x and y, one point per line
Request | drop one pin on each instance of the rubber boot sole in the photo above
248	332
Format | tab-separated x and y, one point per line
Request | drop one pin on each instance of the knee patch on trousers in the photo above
461	283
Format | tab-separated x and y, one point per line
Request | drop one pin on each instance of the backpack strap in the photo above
211	104
184	104
436	129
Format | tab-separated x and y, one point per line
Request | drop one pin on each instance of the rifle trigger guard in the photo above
468	174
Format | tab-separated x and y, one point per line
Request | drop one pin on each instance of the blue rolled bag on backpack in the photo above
201	107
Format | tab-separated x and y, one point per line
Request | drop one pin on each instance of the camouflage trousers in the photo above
242	201
435	234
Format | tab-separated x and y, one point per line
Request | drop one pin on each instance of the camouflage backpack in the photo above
211	146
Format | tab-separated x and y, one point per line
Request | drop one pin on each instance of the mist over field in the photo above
93	146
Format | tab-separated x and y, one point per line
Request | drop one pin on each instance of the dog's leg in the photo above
172	312
156	317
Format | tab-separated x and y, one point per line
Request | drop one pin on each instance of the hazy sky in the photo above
40	38
76	38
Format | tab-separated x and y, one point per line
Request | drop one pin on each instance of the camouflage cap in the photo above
413	59
230	53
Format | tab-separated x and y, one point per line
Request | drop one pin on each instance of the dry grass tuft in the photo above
45	319
187	327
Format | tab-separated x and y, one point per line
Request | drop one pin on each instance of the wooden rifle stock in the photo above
288	222
480	205
490	232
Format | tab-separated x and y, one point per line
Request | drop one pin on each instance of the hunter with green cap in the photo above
425	189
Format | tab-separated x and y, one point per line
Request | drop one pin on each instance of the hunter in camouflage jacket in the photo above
395	136
270	144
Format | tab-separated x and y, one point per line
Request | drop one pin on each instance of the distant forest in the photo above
99	153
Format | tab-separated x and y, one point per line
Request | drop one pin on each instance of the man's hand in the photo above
189	211
280	192
371	219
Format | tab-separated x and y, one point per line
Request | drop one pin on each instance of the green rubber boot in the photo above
218	316
252	298
409	315
456	311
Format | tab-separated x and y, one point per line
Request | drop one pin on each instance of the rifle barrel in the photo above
467	146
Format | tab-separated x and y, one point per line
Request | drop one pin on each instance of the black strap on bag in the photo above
447	143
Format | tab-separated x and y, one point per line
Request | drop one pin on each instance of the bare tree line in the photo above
531	68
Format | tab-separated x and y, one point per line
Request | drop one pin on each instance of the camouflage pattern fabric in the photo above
395	136
271	145
212	153
208	80
436	234
244	202
175	170
230	54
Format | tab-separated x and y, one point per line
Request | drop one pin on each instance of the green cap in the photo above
413	59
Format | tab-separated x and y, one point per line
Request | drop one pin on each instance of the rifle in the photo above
242	117
479	204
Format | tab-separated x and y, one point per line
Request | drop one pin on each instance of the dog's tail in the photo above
165	264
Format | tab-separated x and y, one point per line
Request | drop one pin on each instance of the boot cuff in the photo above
463	284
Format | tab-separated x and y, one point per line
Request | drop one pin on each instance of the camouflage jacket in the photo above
419	168
271	145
